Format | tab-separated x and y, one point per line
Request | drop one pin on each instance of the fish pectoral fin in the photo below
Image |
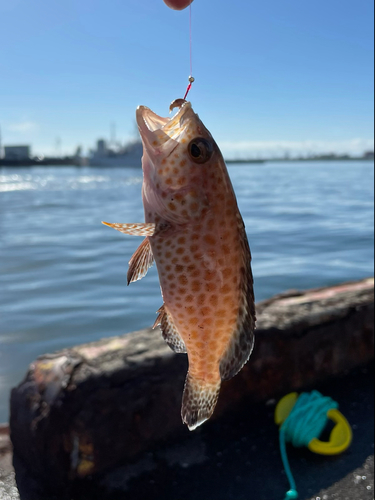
169	331
141	262
138	229
198	402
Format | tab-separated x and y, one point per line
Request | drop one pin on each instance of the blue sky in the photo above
270	75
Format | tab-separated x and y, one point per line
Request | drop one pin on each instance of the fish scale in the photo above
200	290
195	233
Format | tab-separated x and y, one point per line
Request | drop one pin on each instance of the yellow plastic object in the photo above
341	435
284	407
340	438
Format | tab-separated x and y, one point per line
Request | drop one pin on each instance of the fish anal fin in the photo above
199	401
241	344
141	262
138	229
169	331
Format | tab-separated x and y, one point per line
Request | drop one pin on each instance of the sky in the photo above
272	76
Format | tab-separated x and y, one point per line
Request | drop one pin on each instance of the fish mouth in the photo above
157	131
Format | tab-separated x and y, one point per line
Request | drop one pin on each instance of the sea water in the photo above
63	274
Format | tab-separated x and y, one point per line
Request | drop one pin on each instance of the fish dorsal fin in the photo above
169	331
141	261
138	229
242	342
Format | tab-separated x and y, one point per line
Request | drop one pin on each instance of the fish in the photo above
177	103
195	234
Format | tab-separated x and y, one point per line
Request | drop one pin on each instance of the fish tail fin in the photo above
199	401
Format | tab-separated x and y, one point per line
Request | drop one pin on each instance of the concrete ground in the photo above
236	457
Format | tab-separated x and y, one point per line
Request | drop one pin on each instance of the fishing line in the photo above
191	78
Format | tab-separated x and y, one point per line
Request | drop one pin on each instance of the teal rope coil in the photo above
305	422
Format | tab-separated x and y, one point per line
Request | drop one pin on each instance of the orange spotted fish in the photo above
196	235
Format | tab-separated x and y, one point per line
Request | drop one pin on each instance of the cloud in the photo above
23	126
277	148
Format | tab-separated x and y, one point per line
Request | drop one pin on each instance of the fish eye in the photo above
200	150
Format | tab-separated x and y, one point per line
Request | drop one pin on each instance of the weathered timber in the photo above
236	457
5	448
84	410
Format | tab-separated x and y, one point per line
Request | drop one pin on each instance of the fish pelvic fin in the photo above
169	330
141	262
138	229
199	401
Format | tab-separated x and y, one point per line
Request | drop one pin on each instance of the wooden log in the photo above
5	449
82	411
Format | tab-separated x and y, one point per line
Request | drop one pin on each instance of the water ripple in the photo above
63	274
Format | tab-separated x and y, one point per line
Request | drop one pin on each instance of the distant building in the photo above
17	152
369	155
101	147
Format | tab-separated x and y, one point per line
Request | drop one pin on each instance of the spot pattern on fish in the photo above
242	342
196	236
